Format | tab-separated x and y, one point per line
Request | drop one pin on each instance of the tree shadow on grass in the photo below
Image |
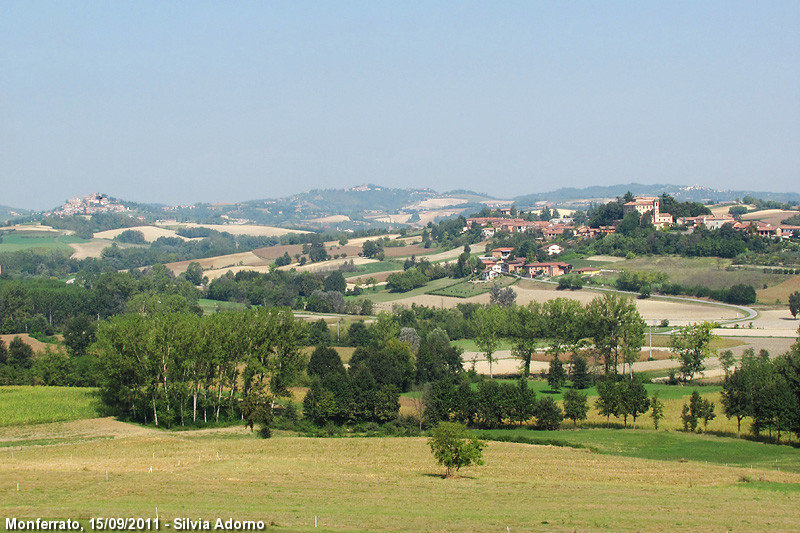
442	476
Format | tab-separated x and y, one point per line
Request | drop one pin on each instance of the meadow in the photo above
596	478
22	405
357	484
20	240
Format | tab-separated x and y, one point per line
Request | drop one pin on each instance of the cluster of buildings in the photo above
551	229
501	262
89	205
555	228
783	231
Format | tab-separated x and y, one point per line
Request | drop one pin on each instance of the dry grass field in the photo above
779	293
243	229
37	345
220	261
151	233
770	216
378	484
677	312
93	248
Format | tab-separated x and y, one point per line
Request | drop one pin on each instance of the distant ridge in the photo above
693	193
7	212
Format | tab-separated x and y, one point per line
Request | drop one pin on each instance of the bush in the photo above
453	447
548	414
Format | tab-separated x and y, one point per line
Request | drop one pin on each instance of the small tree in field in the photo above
575	405
794	303
657	412
453	448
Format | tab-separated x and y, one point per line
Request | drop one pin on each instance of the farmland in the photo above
37	405
25	240
393	483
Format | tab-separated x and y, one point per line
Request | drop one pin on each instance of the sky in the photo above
184	102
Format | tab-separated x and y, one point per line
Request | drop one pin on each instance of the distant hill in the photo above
361	198
11	212
680	192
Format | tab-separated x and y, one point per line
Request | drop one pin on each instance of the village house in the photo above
587	271
554	249
502	253
515	266
648	204
491	272
709	221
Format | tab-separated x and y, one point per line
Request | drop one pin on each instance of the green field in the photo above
469	345
467	289
383	295
20	240
212	306
670	446
20	405
373	268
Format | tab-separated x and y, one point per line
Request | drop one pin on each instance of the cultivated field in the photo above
380	484
93	248
780	292
151	233
25	240
770	216
219	262
37	405
37	345
242	229
677	312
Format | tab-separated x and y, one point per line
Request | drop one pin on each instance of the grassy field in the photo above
383	295
372	268
212	306
670	446
21	405
706	271
469	345
16	241
467	289
378	484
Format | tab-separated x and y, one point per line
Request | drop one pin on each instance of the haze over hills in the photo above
373	205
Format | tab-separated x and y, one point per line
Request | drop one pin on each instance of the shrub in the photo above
453	447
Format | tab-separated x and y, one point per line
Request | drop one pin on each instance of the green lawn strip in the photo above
668	446
374	268
384	295
584	263
211	306
21	405
467	289
665	392
469	345
25	241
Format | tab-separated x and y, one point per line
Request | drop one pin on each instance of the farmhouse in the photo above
502	253
514	266
709	221
554	249
533	270
587	271
490	273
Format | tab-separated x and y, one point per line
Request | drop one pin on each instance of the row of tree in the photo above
178	368
767	391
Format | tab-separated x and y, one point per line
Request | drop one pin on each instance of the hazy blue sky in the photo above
179	102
